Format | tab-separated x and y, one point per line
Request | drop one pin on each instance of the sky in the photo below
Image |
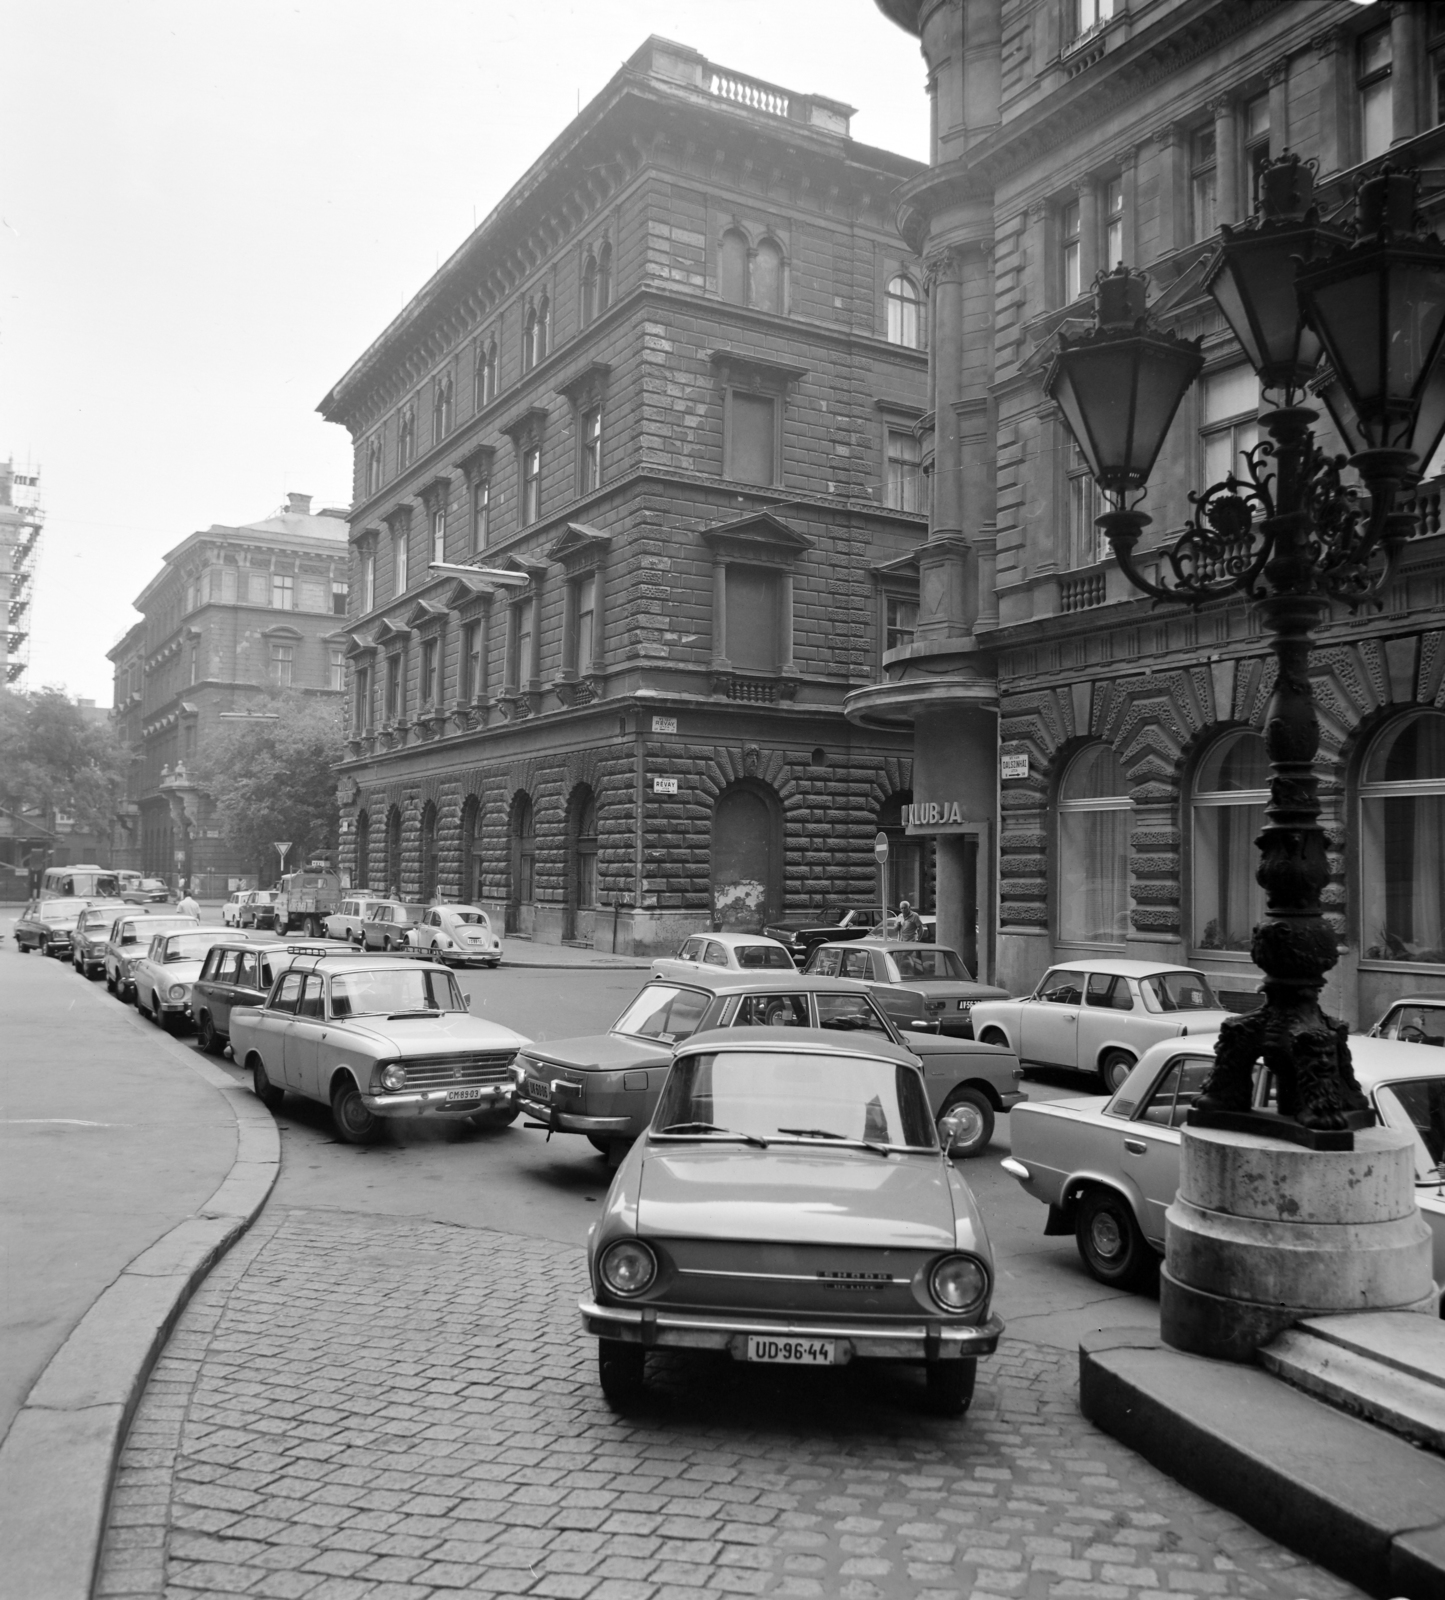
209	210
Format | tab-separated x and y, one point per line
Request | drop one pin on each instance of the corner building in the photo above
1107	754
633	474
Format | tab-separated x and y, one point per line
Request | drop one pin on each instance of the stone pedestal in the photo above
1263	1233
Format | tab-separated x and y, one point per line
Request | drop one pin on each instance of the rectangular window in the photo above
752	438
1374	64
1113	223
283	592
1231	425
531	484
368	582
339	594
481	514
521	662
281	665
398	563
1070	257
439	534
900	622
591	449
362	714
192	594
1090	13
428	672
903	488
1203	183
1256	142
192	663
471	686
393	688
586	596
336	663
1086	542
754	602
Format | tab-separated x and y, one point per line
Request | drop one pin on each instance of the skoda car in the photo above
163	976
790	1205
130	937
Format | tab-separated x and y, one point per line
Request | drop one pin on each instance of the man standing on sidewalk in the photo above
188	905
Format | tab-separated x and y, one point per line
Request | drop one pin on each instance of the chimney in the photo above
299	504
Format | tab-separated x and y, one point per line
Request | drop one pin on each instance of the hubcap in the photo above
1106	1236
962	1126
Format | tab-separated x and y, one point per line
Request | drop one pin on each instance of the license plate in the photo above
536	1089
454	1095
964	1005
791	1352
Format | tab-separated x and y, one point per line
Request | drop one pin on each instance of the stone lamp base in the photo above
1263	1233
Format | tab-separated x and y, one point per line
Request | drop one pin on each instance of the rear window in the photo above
1178	991
764	955
911	965
663	1012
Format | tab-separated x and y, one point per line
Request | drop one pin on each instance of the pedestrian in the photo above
188	905
910	924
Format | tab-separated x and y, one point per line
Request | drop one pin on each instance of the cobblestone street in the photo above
393	1409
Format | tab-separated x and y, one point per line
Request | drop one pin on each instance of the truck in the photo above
306	898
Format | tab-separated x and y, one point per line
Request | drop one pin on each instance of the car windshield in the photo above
1417	1105
148	927
393	993
1178	991
763	955
796	1097
190	946
663	1011
910	965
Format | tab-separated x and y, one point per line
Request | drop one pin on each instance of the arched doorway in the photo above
393	851
429	852
472	851
581	864
523	886
361	876
747	857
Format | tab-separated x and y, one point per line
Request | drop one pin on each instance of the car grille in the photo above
840	1280
441	1072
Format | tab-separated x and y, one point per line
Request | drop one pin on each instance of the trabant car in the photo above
163	976
737	952
605	1085
789	1203
1101	1016
1107	1166
92	929
345	922
457	935
239	971
129	939
48	924
918	985
146	892
231	910
387	924
376	1039
1417	1019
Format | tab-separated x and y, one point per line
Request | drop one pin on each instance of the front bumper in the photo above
1009	1098
428	1102
929	1339
557	1120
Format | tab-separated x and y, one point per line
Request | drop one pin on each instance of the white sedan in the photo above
734	952
457	934
163	976
1100	1016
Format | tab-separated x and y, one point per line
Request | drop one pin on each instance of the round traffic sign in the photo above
880	848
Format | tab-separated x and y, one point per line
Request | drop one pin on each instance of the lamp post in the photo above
1286	530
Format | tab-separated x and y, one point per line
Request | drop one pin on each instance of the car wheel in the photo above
207	1037
969	1117
386	943
1114	1068
349	1115
620	1370
993	1036
503	1118
950	1386
1110	1243
269	1094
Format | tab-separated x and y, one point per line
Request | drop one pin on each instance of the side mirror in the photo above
466	1002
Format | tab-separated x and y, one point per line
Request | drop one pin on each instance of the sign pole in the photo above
880	855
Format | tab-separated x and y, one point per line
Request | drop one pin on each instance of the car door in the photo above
1106	997
1049	1023
276	1020
1149	1145
223	992
303	1038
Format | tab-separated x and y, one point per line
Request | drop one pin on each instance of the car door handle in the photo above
1135	1147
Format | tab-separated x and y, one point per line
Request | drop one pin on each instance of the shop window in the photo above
1070	252
1402	843
1374	62
1231	788
1093	876
363	851
752	443
524	851
393	853
1231	421
586	852
901	306
767	277
283	592
472	850
732	270
903	486
428	851
754	602
1203	183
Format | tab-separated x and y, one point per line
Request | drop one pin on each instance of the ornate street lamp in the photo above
1290	533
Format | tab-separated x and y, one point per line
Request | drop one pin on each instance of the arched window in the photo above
1402	842
544	327
768	277
485	382
429	851
441	409
361	878
529	340
901	300
604	277
393	851
732	268
1093	876
1230	791
471	850
589	289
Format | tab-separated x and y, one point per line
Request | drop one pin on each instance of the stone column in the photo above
947	515
1173	208
1333	111
1226	161
1279	107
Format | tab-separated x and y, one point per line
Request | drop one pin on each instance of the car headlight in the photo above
394	1076
958	1283
177	991
627	1267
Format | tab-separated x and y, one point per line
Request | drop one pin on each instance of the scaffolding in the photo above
22	522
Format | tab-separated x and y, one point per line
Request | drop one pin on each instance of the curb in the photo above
58	1461
1351	1496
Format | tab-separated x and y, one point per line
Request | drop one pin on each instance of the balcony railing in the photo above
749	92
1080	593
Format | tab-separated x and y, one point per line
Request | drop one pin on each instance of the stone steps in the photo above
1385	1366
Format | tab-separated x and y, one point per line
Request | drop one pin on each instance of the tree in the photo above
55	758
273	777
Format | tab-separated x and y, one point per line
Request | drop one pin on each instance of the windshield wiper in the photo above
424	1011
712	1127
826	1133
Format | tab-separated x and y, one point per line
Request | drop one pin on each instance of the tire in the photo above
313	927
349	1116
386	944
950	1386
621	1370
269	1094
1114	1068
993	1036
496	1119
207	1037
975	1119
1110	1244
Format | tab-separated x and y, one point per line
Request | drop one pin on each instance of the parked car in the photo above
892	928
1417	1019
1101	1016
918	985
387	924
92	929
48	925
162	977
801	934
736	952
129	939
146	892
789	1203
374	1040
345	922
239	971
1107	1166
606	1085
456	935
231	910
257	910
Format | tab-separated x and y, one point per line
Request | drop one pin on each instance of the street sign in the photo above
282	846
880	849
1014	764
664	786
664	724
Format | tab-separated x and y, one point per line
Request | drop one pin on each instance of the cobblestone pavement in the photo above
395	1409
